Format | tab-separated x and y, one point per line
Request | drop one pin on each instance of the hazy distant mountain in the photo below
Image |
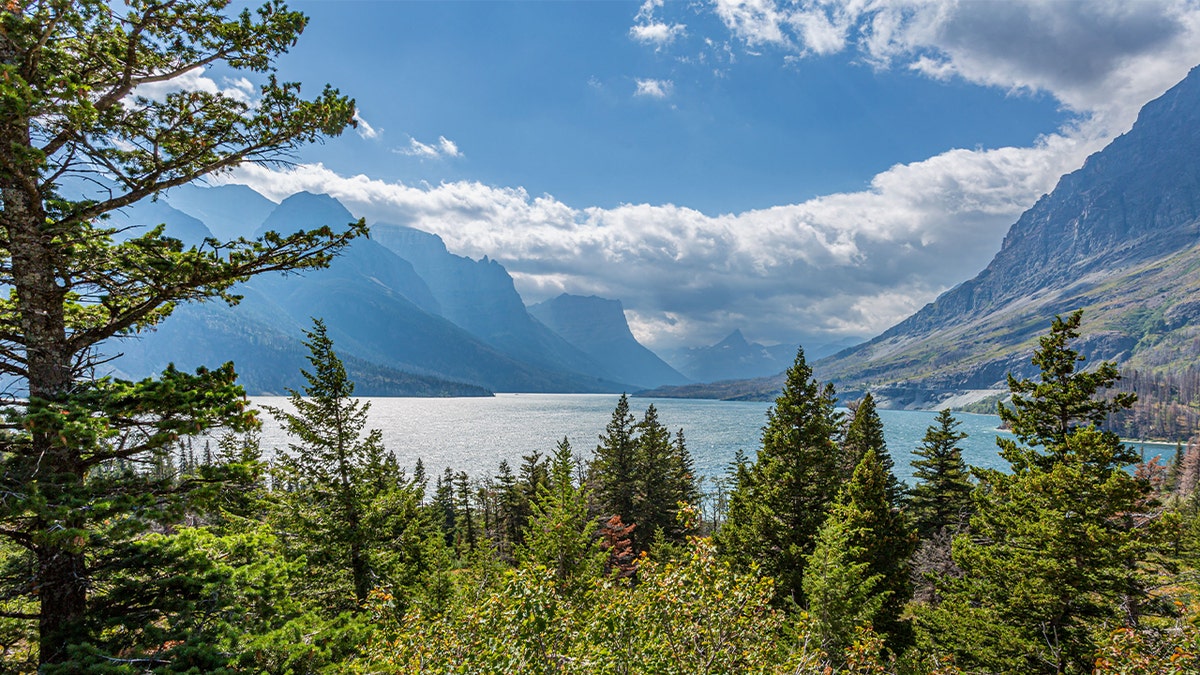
731	359
597	326
229	211
735	358
138	218
479	296
381	314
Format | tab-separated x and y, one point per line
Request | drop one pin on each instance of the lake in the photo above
474	434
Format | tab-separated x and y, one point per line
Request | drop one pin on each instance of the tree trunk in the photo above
62	571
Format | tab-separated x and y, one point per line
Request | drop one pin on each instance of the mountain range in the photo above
407	316
1119	238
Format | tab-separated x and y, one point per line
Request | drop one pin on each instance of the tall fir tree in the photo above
561	535
1055	544
663	480
781	499
884	540
842	593
863	434
71	109
339	471
613	470
941	495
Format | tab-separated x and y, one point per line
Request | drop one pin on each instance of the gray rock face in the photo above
1117	238
597	326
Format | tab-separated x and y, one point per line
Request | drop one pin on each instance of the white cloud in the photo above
653	88
842	264
240	89
851	263
444	147
649	30
364	128
1101	58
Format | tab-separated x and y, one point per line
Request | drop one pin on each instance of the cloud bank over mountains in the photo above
851	263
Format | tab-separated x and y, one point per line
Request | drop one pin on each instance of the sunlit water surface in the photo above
474	434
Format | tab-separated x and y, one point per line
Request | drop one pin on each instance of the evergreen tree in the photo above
841	591
70	108
613	471
1054	548
941	497
338	473
781	499
884	541
561	535
443	507
663	479
509	521
865	433
464	519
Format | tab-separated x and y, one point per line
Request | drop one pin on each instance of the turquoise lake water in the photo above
474	434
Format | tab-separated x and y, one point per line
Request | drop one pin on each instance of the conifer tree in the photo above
781	499
71	108
865	432
663	479
613	471
561	535
884	541
443	507
842	593
1055	544
509	520
941	496
339	472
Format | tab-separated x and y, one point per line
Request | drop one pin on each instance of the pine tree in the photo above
941	497
864	433
561	535
70	108
338	472
1055	544
662	480
509	520
842	593
884	539
613	471
781	499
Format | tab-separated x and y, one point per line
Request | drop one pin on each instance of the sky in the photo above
803	171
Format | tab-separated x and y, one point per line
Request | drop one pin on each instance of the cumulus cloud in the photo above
653	88
647	29
444	147
364	128
842	264
239	89
1100	58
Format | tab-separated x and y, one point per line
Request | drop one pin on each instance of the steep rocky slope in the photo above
1119	238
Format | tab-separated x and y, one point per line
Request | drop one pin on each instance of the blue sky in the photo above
803	171
545	95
